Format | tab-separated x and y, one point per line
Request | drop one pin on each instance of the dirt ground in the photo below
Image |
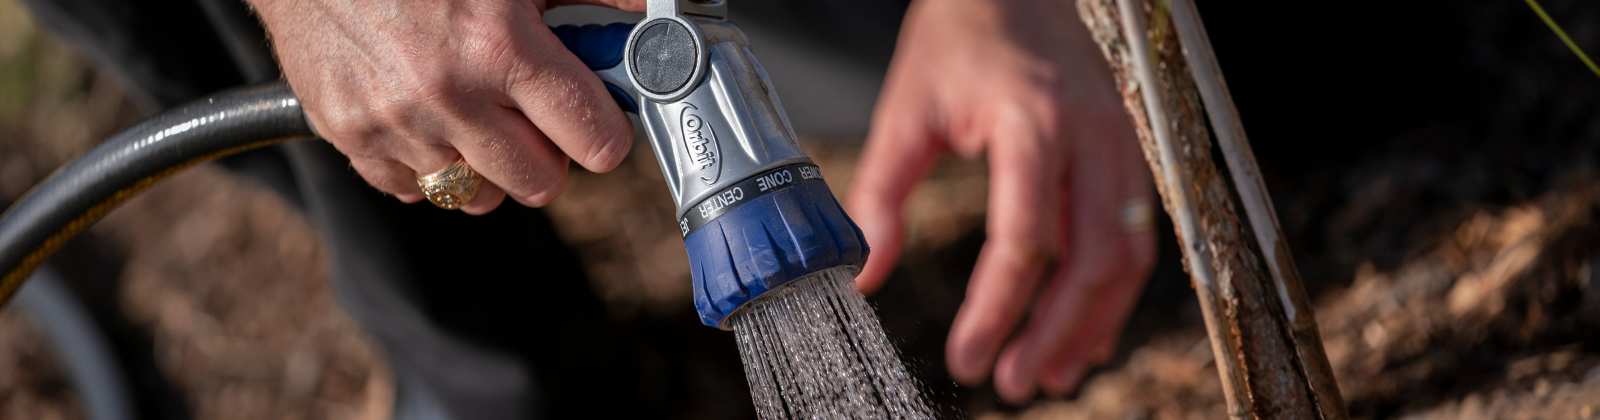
1441	293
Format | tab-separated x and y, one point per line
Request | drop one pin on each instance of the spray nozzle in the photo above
753	209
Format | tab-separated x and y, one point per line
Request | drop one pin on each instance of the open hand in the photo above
1069	193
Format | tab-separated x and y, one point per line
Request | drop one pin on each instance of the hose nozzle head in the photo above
752	207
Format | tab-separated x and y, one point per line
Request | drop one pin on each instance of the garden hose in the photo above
77	195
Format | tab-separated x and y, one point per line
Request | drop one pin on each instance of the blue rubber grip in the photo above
622	98
600	48
766	243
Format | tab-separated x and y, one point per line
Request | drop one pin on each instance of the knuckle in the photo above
553	184
607	151
531	183
361	129
562	87
1037	112
424	82
343	120
356	138
384	178
1026	250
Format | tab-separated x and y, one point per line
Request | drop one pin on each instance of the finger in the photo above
1101	327
1071	315
390	158
1120	225
1093	337
1124	295
1023	205
1058	324
488	198
1141	250
567	102
898	153
513	155
1062	375
391	177
1138	228
398	176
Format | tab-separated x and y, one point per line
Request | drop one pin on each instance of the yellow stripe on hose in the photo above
13	279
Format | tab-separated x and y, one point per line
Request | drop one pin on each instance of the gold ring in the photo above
451	187
1136	215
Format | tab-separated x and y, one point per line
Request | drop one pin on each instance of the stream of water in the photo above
814	349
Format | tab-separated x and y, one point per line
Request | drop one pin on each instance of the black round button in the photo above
664	57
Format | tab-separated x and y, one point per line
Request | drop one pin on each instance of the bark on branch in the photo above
1263	335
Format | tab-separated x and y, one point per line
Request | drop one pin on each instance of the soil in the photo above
34	386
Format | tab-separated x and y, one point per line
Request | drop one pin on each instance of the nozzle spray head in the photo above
754	210
770	237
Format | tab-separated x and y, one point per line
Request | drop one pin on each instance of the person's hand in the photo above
408	87
1023	82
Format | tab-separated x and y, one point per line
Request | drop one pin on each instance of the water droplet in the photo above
814	349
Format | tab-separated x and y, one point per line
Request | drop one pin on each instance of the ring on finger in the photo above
1137	216
451	187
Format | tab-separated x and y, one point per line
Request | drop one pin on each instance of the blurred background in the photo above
1433	165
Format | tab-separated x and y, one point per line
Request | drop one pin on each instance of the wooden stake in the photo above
1252	191
1261	329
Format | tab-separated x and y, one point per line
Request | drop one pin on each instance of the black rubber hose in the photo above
79	194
